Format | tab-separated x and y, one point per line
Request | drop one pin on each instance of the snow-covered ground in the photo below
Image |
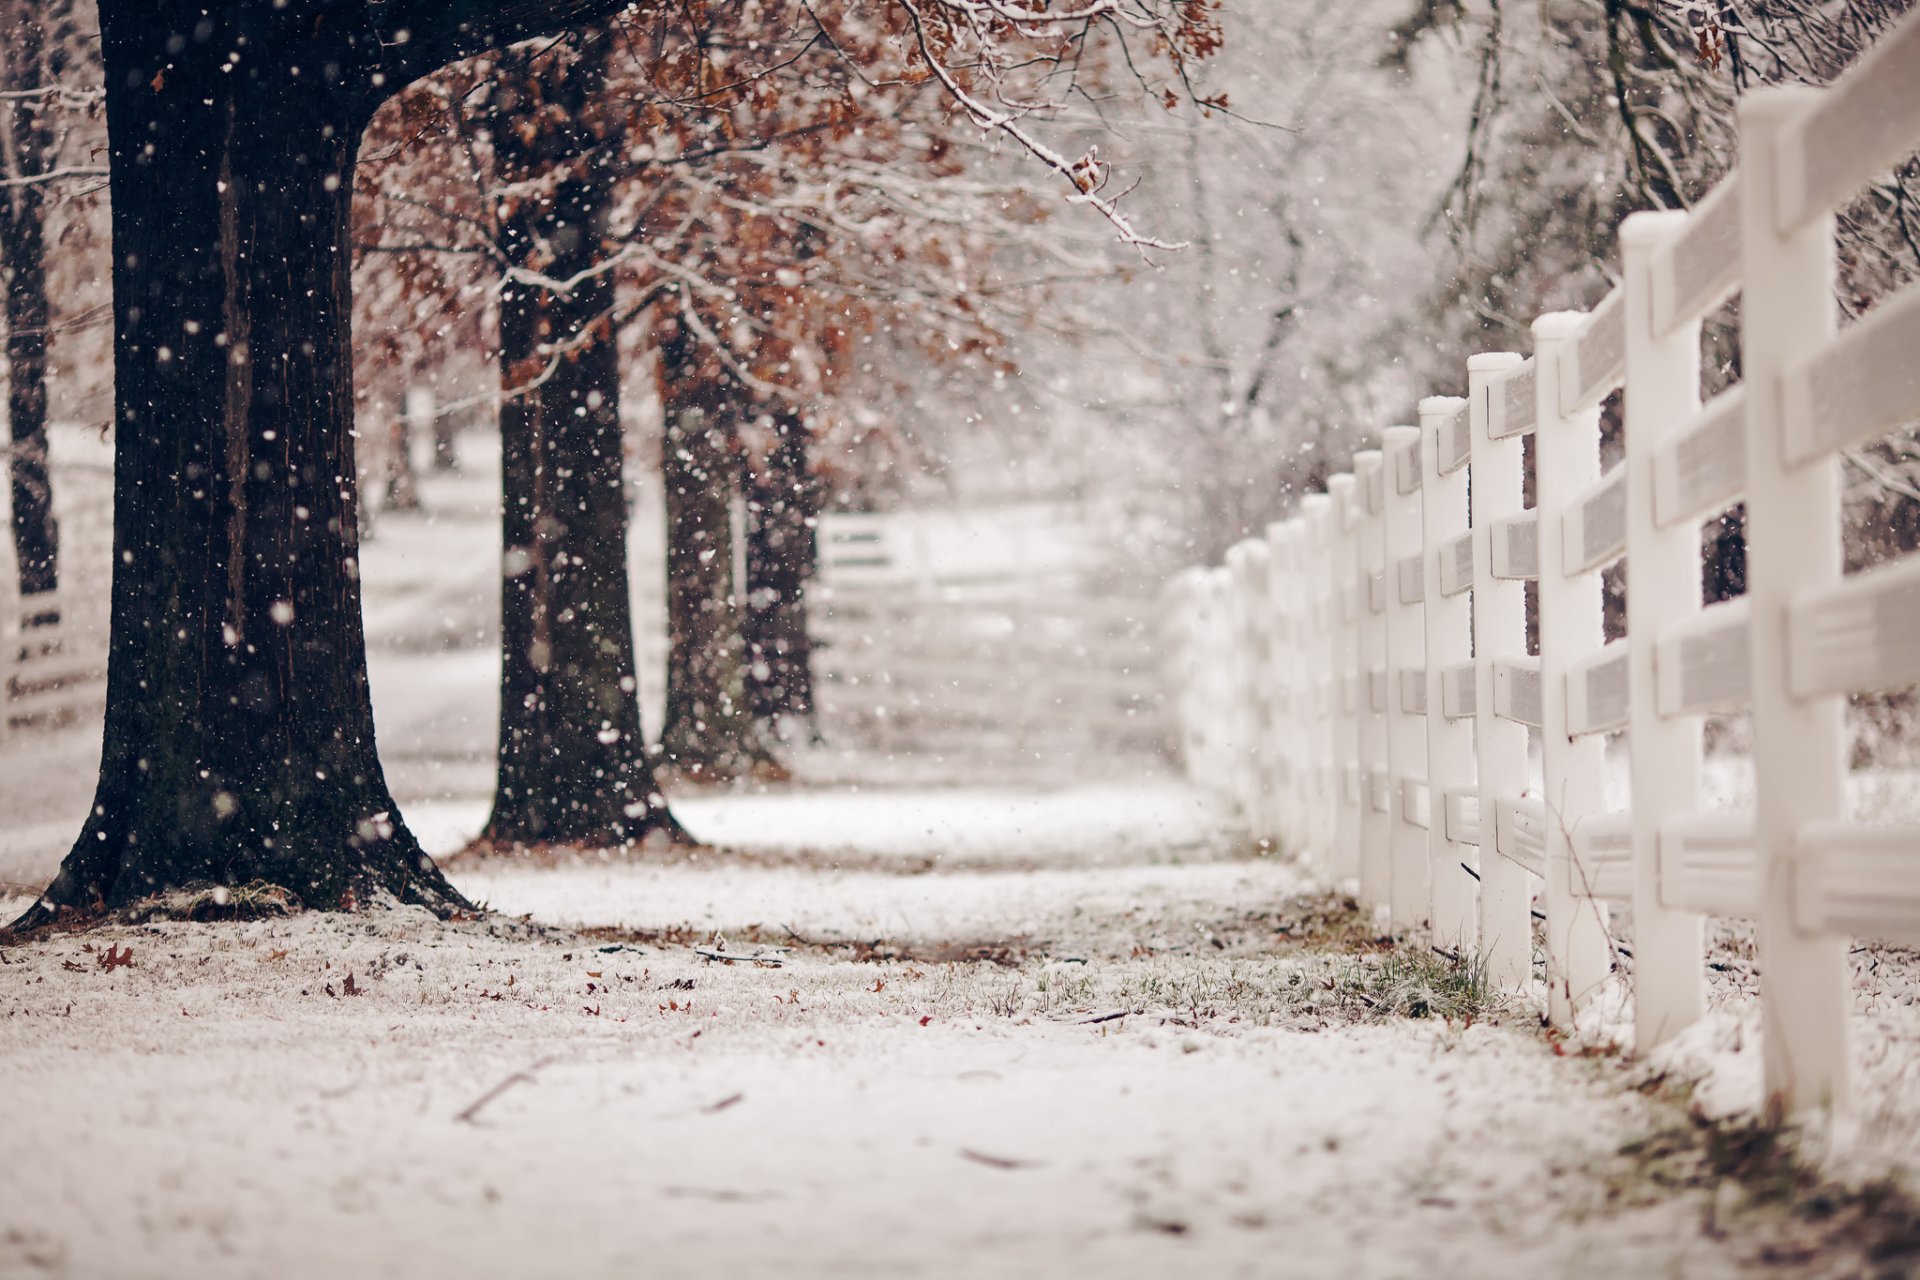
922	1073
975	1028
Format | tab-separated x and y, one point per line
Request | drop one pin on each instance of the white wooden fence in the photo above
53	674
1359	678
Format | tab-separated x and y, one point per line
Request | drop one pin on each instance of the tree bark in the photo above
29	145
572	763
709	733
782	555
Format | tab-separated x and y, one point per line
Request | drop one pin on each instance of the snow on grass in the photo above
493	1103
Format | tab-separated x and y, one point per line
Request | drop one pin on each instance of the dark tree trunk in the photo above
572	759
239	734
403	483
782	554
709	732
29	145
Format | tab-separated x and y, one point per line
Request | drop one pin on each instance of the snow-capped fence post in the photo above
1406	678
1450	761
1793	548
1344	853
1499	637
1663	564
1566	462
1376	867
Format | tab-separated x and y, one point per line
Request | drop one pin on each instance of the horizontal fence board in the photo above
1415	802
1463	816
1520	832
1602	846
1413	692
1512	404
1597	691
1695	271
1702	468
1863	385
1861	881
1455	442
1456	564
1516	690
1516	546
1457	690
1406	467
1413	582
1704	663
1598	357
1860	635
1595	525
1708	863
1865	123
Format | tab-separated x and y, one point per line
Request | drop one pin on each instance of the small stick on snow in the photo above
1105	1017
518	1077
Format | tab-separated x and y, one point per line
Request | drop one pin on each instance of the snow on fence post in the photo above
1376	867
1406	679
1499	634
1342	567
1663	567
1566	461
1317	509
1793	547
1450	763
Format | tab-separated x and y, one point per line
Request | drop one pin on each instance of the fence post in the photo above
1247	565
1793	546
1406	657
1450	761
1566	460
1222	711
1343	562
1663	574
1180	659
1370	538
1283	698
1499	631
1317	508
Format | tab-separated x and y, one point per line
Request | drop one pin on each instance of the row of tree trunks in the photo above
26	64
572	762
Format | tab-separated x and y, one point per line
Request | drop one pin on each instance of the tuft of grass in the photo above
255	900
1419	983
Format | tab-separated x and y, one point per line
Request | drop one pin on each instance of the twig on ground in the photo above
996	1162
518	1077
1105	1017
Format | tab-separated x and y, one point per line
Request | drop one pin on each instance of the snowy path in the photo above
210	1109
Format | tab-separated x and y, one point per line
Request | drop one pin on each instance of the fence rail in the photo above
1359	677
